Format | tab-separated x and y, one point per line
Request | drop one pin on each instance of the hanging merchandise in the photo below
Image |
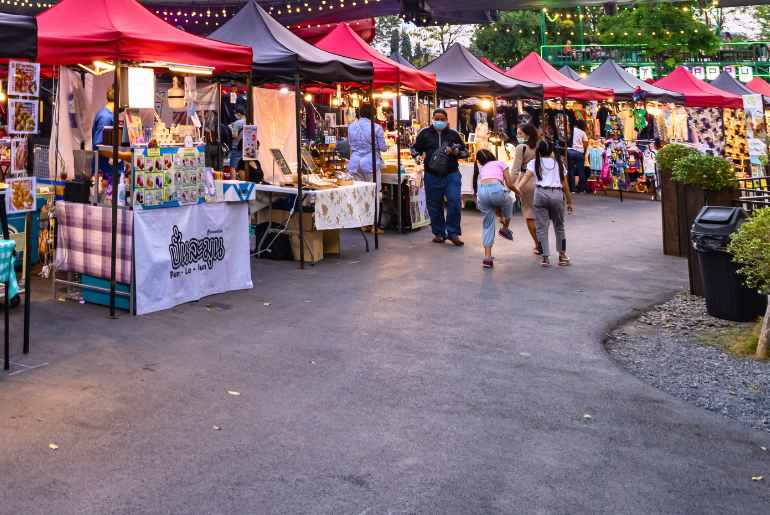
735	140
706	127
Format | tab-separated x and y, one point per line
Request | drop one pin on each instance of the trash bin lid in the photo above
716	215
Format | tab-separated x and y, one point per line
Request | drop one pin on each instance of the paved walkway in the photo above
406	381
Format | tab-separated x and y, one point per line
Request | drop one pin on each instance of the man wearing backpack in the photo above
441	147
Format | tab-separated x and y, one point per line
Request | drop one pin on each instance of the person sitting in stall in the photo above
360	142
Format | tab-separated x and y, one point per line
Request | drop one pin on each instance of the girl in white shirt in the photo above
551	192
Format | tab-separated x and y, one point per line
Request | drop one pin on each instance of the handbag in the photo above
439	163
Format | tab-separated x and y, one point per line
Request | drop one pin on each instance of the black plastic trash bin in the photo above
726	295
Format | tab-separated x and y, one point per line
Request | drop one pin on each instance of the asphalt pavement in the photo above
407	380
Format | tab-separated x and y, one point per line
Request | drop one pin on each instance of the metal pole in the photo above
300	199
219	127
398	158
115	179
27	278
7	323
374	170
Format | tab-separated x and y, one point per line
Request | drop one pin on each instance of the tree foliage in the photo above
670	31
511	38
762	15
383	32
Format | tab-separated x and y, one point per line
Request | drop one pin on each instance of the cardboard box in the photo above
332	246
308	220
314	246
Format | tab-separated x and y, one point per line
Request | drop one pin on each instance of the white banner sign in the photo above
187	253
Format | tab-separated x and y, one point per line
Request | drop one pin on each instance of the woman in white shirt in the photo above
551	192
576	156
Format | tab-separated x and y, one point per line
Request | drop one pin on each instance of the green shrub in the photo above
672	153
711	173
750	247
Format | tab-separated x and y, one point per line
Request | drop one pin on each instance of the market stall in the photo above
394	82
282	61
622	150
18	40
483	119
173	236
735	122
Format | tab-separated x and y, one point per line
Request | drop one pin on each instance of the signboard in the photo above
712	72
250	143
745	73
21	196
756	130
699	72
23	79
646	72
633	71
200	251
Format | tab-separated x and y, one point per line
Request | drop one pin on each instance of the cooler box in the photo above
103	299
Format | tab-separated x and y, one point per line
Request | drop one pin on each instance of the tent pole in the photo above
219	125
566	134
300	200
115	178
374	169
398	158
249	100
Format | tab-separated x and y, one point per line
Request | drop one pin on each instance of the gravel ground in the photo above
665	347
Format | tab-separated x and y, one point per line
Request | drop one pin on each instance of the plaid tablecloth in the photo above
7	270
84	240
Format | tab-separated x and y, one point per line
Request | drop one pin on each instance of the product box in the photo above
103	299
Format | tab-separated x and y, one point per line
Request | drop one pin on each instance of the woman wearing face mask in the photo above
524	184
551	192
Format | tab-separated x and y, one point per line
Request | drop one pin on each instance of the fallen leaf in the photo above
525	354
53	446
757	478
233	392
266	304
587	417
764	448
216	428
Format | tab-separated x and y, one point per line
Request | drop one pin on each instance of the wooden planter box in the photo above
681	203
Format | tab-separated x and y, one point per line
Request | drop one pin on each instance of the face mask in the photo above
521	140
439	125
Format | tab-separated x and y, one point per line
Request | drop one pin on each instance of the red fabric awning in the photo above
555	84
697	93
344	41
491	65
313	31
758	85
83	31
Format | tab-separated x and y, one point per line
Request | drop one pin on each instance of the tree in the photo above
762	15
395	41
441	37
420	57
511	38
750	247
406	46
671	32
383	29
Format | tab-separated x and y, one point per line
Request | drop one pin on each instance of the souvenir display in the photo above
22	116
250	143
168	177
23	195
23	79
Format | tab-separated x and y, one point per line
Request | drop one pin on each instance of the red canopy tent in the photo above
315	30
83	31
344	41
697	93
491	65
758	85
555	84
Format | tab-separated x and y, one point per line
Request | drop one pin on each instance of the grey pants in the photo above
549	207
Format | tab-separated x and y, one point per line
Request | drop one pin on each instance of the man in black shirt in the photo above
443	182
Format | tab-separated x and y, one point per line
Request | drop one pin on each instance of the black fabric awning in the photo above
459	73
18	36
623	84
279	55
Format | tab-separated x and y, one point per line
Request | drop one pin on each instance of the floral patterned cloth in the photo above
346	207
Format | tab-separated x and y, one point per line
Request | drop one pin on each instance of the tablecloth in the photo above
346	207
84	240
7	270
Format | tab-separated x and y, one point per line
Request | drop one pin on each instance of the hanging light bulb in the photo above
284	91
308	97
486	104
3	96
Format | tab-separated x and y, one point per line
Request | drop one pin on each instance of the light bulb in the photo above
486	104
284	91
308	97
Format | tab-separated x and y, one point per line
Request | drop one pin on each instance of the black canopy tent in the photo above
400	59
727	82
459	74
281	56
18	36
569	72
624	85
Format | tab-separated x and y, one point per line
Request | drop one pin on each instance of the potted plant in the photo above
710	174
673	242
750	247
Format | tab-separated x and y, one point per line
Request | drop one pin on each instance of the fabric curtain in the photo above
274	115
